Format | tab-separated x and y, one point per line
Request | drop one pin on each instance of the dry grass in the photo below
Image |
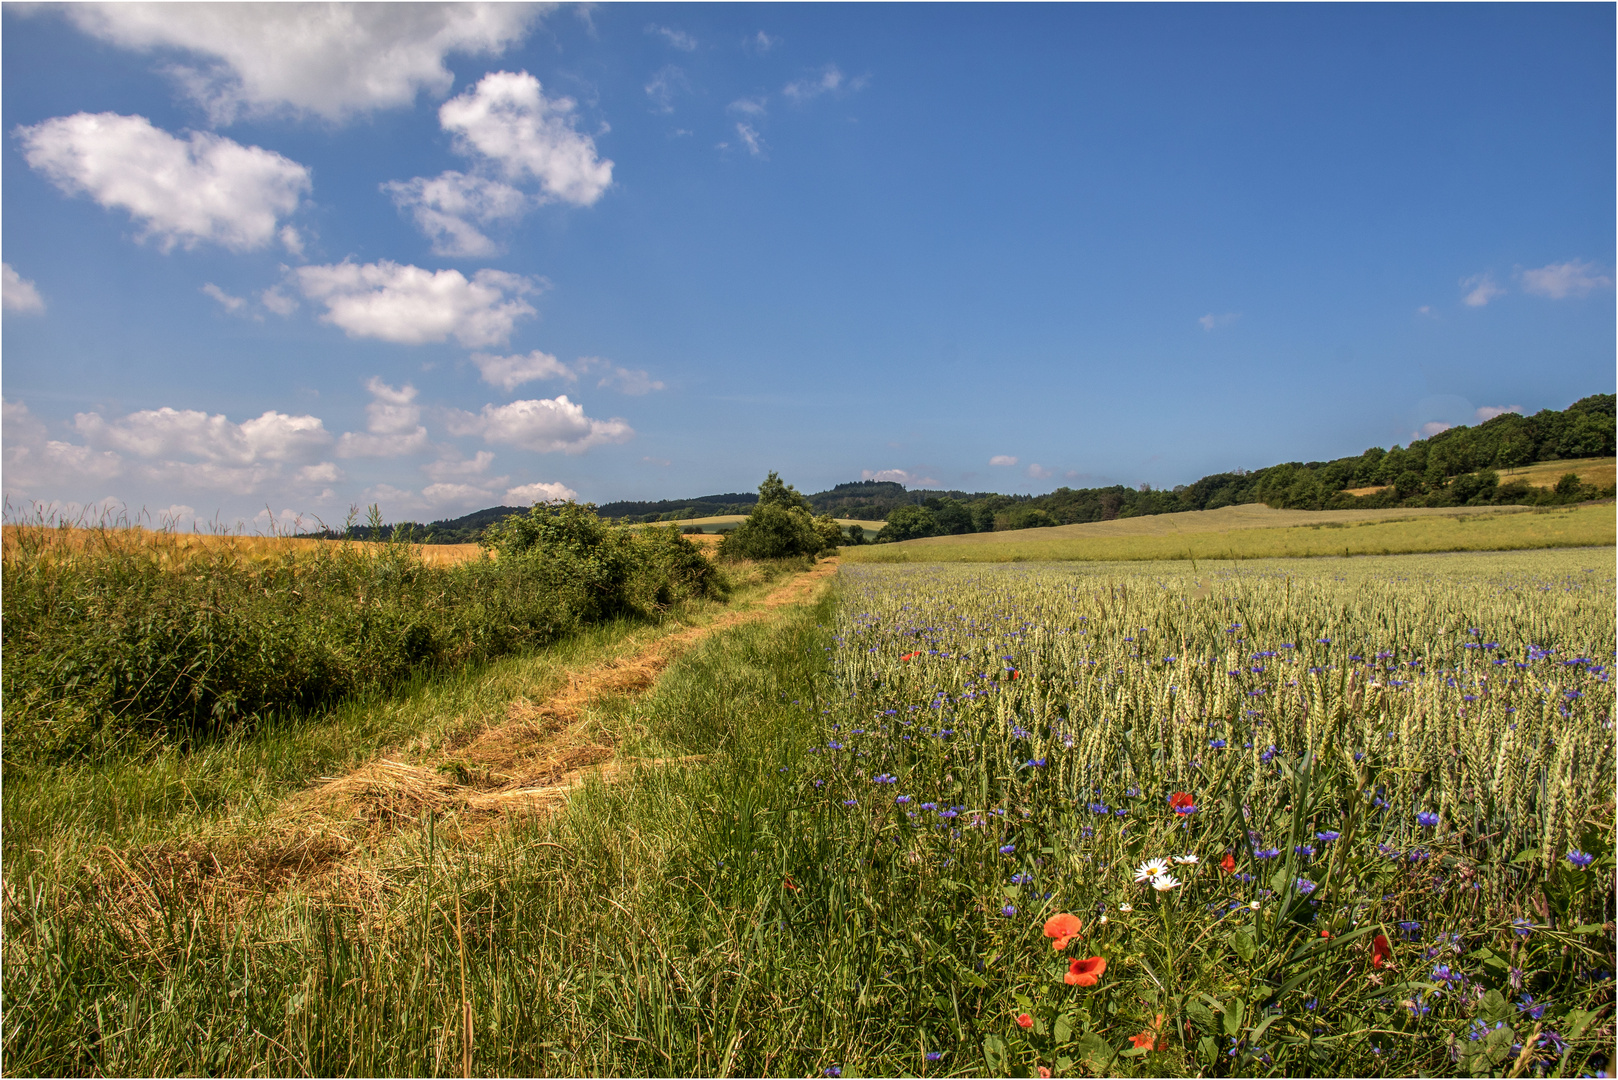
1256	531
179	545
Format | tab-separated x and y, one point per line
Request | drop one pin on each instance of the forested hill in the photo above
1452	468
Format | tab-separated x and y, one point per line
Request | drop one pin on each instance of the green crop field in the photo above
1297	817
1257	532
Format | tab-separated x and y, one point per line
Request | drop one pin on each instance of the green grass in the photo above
734	916
1257	532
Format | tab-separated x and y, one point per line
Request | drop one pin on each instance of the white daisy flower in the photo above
1164	882
1150	869
1186	860
1126	908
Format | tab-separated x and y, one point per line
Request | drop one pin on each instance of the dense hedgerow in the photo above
117	634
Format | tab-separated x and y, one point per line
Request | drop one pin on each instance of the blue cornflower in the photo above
1304	849
929	806
851	802
1098	808
902	799
1268	755
1427	819
935	1055
1522	927
1579	859
1008	911
1267	853
1217	744
1410	928
833	1070
1305	886
1022	879
950	813
1328	836
1008	849
1442	973
1530	1008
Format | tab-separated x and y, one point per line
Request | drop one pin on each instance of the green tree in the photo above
908	523
780	526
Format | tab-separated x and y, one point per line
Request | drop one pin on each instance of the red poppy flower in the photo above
1015	674
1146	1040
1228	863
1085	972
909	656
1044	1073
1024	1020
1182	803
1063	928
1325	933
1380	951
788	883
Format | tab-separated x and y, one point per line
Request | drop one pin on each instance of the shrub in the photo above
780	526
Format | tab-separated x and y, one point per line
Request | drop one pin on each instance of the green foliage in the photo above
138	637
780	527
908	523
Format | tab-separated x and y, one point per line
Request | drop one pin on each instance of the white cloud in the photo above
331	60
1003	459
205	188
292	240
751	106
544	426
232	304
750	139
679	39
167	433
1486	413
510	372
175	516
1425	309
392	424
18	294
828	79
455	494
898	476
445	206
35	462
1561	280
665	83
1431	428
458	468
277	301
1480	290
1211	321
326	472
634	383
760	43
412	306
1040	472
539	491
507	119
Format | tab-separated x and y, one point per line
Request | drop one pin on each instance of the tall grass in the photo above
113	638
793	905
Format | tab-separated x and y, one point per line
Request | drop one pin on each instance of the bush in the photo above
908	523
114	633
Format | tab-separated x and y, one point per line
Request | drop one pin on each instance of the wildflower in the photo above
788	883
1044	1073
1327	837
1186	860
1150	869
1085	972
1008	911
935	1055
833	1070
1521	927
851	802
1126	908
1228	863
1148	1039
902	799
1024	1020
1253	904
1182	803
1527	1005
1008	849
1427	819
1267	853
1380	951
1579	859
909	656
1305	886
1062	928
1165	882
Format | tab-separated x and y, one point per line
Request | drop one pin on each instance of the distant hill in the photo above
1461	466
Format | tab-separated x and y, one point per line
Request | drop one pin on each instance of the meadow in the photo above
1325	817
1259	532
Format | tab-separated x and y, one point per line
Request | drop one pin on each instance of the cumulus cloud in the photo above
18	294
1562	280
34	462
679	39
232	304
539	491
392	424
330	60
444	208
826	80
1003	459
544	426
1040	472
277	301
1486	413
292	240
1480	289
205	188
412	306
898	476
510	372
171	433
454	467
664	85
1211	321
507	120
1431	428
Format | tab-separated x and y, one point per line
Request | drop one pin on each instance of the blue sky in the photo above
281	260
